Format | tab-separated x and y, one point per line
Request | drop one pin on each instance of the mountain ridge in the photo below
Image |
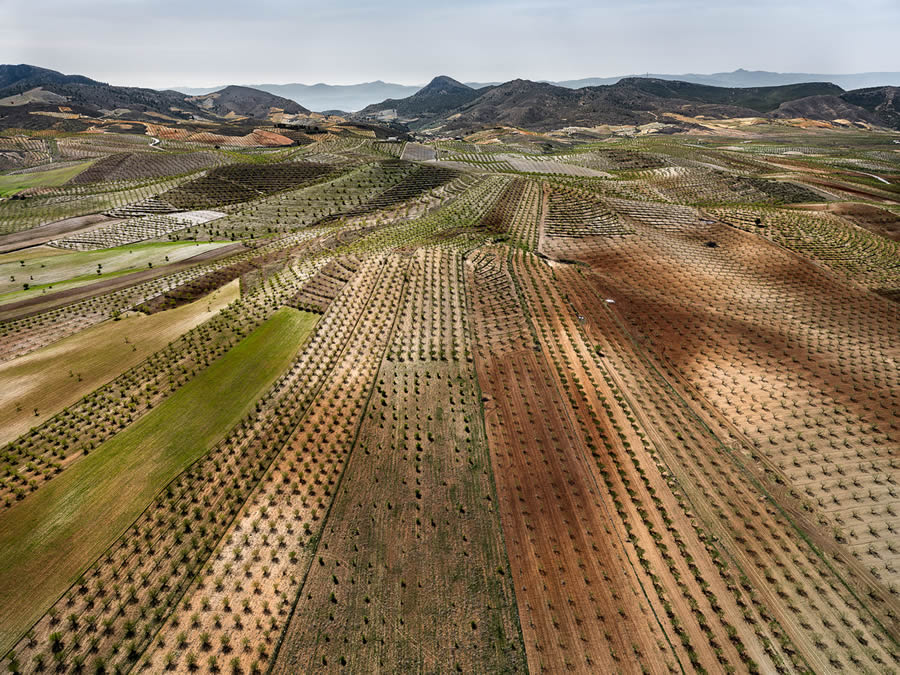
541	106
354	97
39	98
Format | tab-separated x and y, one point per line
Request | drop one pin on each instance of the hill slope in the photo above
28	86
759	99
354	97
439	97
822	108
35	77
245	102
37	98
882	102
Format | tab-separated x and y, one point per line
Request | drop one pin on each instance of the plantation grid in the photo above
478	405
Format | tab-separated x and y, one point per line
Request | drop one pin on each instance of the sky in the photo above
163	43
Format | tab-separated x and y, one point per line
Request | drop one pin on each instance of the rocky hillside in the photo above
883	103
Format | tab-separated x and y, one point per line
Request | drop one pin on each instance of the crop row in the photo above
135	166
524	228
115	623
861	255
573	213
418	478
57	203
56	444
237	183
48	449
25	335
422	179
579	601
723	357
692	582
21	152
86	146
133	230
296	209
320	291
459	216
239	617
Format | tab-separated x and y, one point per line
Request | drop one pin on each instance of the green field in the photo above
45	267
50	537
10	185
51	378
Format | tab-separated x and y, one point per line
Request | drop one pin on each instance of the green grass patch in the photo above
59	374
50	537
74	282
10	185
47	267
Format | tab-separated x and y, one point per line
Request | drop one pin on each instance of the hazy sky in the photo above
160	43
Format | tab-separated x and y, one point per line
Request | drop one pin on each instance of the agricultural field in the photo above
504	403
45	268
11	184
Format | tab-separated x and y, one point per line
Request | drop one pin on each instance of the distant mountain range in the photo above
447	105
37	98
355	97
753	78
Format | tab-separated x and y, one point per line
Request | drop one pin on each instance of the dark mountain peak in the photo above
634	80
438	97
33	76
443	84
520	82
232	89
86	96
886	90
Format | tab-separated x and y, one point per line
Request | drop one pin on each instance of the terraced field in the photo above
484	405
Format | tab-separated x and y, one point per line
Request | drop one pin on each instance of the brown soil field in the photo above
258	137
580	604
853	190
877	220
716	322
654	514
